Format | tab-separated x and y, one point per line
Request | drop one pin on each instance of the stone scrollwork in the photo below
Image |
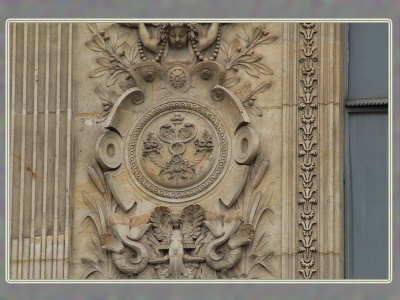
178	142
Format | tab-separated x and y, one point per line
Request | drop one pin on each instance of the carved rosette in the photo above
307	151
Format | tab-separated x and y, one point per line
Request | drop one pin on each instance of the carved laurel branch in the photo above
307	152
248	98
241	54
119	57
255	204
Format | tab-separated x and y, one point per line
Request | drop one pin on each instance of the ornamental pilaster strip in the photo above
308	149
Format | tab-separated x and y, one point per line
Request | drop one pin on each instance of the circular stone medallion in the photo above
178	150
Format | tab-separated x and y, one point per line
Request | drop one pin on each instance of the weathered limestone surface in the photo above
183	151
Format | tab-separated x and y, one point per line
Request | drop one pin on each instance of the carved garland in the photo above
307	153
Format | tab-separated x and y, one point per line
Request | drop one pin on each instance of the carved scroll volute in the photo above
120	116
109	150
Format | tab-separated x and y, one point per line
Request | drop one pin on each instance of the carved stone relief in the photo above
179	143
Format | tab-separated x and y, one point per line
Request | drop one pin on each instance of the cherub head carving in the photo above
178	34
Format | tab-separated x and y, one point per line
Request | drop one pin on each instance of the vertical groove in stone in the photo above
57	158
34	150
286	155
289	147
68	161
36	274
46	137
321	133
293	235
22	173
339	157
13	274
14	259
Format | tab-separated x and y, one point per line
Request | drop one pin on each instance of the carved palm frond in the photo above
263	261
162	223
192	220
103	265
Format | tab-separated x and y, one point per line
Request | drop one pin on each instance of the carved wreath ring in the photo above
209	181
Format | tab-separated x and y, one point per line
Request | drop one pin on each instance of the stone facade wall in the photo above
167	151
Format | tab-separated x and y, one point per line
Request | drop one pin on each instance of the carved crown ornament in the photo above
178	166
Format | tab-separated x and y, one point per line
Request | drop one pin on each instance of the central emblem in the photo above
177	136
178	154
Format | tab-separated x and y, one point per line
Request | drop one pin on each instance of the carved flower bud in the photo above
121	53
106	38
112	71
127	77
112	59
106	106
235	68
239	49
101	32
251	102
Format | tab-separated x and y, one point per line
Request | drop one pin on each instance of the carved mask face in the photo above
178	37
